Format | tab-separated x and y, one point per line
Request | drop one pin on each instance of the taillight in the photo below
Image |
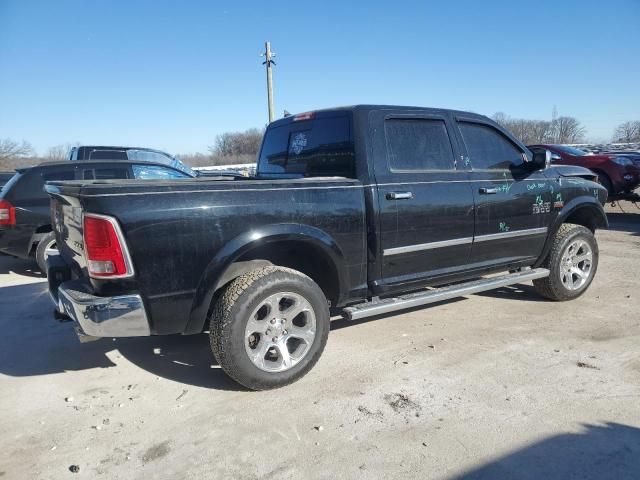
104	247
7	213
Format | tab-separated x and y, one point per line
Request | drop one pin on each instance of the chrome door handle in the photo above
399	195
488	191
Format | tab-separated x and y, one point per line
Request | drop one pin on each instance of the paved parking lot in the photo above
498	385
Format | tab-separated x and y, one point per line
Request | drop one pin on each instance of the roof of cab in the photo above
364	108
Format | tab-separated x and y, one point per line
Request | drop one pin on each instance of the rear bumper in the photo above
118	316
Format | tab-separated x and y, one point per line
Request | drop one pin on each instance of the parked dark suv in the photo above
25	220
134	154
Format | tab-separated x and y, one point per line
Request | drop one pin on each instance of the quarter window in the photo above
418	144
489	149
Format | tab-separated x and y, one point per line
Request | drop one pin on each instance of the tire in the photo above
48	241
573	249
266	300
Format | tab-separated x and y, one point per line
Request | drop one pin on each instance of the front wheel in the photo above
269	327
572	262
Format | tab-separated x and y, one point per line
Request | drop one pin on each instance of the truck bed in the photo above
206	220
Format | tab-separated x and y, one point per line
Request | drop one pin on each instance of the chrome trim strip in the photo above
462	241
513	234
427	246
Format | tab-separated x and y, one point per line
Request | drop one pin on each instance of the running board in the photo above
417	299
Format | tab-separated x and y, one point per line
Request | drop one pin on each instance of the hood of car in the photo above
573	171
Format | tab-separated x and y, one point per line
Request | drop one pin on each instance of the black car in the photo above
5	177
356	208
25	223
134	154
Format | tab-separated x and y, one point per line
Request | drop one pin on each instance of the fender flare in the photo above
213	274
577	203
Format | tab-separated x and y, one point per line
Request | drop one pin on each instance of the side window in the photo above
59	176
488	148
107	173
154	172
418	144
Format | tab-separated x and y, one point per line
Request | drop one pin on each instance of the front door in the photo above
425	201
512	203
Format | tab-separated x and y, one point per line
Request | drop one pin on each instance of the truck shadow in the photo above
609	451
28	268
625	222
34	344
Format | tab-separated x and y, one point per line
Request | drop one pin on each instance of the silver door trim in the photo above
463	241
427	246
513	234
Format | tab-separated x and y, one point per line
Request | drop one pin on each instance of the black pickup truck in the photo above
365	209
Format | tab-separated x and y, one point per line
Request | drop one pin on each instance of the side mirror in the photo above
555	157
541	160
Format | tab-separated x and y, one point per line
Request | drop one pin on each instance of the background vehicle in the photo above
25	214
618	173
135	154
357	208
5	177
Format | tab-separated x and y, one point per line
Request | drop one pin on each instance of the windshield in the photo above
159	157
571	150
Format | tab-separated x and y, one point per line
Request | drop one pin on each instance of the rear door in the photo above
425	200
512	203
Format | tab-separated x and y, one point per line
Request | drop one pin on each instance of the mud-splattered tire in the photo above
572	261
268	300
47	242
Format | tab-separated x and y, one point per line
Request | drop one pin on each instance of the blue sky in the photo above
173	75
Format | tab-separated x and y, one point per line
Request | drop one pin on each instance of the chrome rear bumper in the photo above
119	316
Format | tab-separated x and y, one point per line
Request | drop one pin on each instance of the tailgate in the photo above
66	218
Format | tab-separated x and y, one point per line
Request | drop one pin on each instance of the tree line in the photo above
242	147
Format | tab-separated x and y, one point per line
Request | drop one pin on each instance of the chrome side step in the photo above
417	299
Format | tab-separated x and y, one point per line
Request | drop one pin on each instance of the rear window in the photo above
321	147
418	144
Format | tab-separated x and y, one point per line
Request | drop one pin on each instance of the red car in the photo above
616	172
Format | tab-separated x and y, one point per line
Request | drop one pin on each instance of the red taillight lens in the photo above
7	213
104	248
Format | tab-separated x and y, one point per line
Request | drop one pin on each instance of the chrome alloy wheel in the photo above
575	266
50	249
280	332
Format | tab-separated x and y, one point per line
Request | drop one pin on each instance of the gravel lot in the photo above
498	385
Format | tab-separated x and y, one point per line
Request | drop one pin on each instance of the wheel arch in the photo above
584	210
311	251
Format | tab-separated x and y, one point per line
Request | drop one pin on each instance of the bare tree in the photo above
59	153
627	132
11	150
528	131
237	143
567	130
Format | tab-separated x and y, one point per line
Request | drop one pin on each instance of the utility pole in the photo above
268	62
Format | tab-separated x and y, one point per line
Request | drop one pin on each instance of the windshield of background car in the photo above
571	150
159	157
318	147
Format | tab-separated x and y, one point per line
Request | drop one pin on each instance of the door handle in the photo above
488	191
399	195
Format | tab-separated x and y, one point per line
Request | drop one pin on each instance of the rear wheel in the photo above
269	327
46	247
572	262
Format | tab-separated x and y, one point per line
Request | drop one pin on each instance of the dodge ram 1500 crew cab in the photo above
365	209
